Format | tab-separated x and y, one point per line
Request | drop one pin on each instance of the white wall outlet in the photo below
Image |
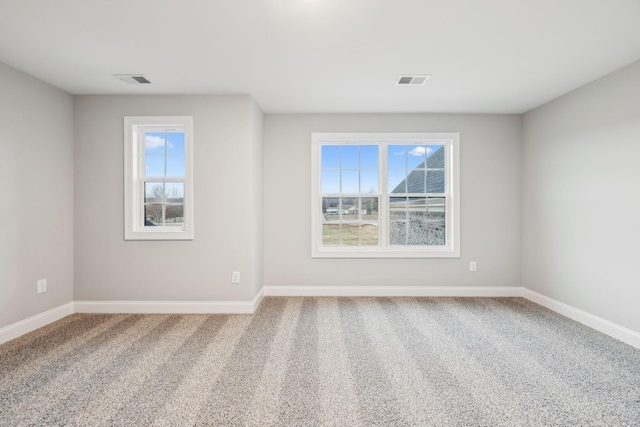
235	277
473	266
42	286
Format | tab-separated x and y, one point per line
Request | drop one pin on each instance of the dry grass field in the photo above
352	235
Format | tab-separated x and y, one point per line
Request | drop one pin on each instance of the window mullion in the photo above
140	197
383	205
141	201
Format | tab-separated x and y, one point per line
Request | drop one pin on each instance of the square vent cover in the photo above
412	80
132	78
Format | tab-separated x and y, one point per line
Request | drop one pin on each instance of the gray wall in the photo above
577	158
581	198
257	199
228	222
36	207
490	204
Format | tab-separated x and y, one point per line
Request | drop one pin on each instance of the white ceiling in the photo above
485	56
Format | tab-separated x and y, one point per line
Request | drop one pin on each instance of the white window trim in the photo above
133	193
450	250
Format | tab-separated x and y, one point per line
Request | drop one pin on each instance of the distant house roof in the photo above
416	179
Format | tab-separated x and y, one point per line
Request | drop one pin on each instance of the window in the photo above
385	195
158	178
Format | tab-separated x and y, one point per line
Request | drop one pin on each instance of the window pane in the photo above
349	208
368	181
369	156
174	216
350	181
152	215
350	221
154	166
416	156
417	209
174	192
435	181
350	234
397	181
369	235
398	233
397	208
369	220
417	233
436	233
330	181
435	154
330	156
350	157
331	234
153	192
330	207
154	142
175	142
415	181
369	210
436	209
397	157
175	166
330	221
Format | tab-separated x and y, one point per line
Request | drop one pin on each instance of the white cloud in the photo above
152	142
421	151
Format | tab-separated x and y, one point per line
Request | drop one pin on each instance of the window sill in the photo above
381	253
158	235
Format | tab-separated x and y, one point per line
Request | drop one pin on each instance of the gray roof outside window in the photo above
416	178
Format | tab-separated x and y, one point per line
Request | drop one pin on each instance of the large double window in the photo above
385	195
158	183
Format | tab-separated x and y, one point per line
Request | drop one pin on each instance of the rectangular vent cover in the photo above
132	78
412	80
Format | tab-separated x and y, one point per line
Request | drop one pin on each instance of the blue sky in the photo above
155	154
361	162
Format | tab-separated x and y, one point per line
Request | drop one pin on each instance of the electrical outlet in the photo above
473	266
235	277
42	286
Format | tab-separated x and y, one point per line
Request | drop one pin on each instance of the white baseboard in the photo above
172	307
599	324
34	322
247	307
257	299
393	291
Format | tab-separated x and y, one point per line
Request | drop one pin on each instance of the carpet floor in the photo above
323	362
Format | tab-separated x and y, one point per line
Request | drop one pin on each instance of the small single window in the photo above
158	178
385	195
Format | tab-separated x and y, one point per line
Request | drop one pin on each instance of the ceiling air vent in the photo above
412	80
132	78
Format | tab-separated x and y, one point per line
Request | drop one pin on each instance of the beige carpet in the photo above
324	361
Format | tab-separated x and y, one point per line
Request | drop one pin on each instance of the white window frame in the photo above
134	165
451	249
